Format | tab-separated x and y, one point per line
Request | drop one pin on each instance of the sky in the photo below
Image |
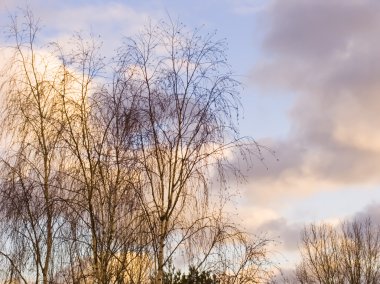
309	71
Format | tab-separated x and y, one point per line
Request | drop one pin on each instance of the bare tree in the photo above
349	253
67	200
187	104
101	177
30	167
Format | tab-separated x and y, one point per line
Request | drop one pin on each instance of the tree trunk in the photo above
160	256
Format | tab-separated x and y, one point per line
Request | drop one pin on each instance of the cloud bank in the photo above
326	55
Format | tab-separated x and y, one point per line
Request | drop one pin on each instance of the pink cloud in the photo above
326	54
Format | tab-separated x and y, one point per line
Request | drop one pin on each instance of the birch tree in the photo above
31	162
106	227
187	104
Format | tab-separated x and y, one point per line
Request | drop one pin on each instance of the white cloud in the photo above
249	6
111	20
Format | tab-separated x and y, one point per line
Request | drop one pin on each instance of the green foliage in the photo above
194	276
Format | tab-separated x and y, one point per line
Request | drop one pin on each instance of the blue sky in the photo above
310	91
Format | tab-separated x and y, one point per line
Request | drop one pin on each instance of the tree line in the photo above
113	169
346	253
